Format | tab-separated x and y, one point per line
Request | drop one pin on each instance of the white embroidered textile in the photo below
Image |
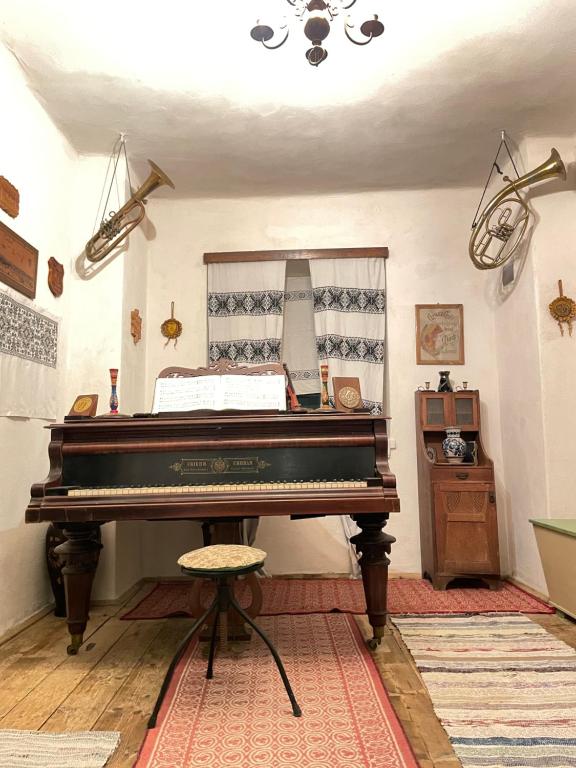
29	376
245	311
350	321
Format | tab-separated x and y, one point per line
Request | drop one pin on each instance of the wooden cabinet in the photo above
458	519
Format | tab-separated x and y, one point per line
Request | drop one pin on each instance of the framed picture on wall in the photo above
439	334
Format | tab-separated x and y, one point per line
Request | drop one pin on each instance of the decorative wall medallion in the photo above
563	310
55	276
9	198
135	325
171	328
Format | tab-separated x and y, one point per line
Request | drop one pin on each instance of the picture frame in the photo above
439	334
347	394
18	262
83	407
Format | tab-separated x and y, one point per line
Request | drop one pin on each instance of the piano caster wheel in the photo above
74	647
374	642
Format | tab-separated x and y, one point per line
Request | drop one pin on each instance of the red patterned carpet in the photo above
242	717
301	596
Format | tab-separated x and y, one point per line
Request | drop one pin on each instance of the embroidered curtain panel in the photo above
350	321
29	377
245	311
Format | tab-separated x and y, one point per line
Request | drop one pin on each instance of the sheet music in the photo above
251	393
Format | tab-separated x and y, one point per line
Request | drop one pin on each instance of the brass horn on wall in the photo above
498	233
121	223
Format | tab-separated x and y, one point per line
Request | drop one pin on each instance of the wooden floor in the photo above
113	682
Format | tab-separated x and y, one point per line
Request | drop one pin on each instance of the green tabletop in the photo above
566	525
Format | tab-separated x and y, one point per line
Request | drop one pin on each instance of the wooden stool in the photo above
222	563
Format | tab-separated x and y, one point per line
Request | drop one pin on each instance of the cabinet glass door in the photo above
434	411
466	410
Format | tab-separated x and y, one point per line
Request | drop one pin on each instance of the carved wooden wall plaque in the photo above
18	262
9	198
55	276
136	325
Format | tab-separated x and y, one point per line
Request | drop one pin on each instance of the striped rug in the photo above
39	749
503	688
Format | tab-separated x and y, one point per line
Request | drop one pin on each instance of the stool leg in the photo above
295	708
195	627
209	673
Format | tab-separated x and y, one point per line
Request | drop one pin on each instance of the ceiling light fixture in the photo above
317	16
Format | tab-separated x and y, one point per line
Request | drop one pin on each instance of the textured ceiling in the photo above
422	106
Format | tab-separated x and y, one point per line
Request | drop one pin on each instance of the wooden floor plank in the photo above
37	653
129	710
92	696
113	682
40	649
37	707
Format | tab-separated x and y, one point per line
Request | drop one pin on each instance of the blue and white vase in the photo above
454	446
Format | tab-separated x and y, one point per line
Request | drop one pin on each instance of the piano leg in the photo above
374	546
79	553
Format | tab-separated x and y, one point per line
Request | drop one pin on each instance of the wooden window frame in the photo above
222	257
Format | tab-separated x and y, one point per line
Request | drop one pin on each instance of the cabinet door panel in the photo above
466	410
466	528
435	411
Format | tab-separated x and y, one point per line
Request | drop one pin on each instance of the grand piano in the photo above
215	466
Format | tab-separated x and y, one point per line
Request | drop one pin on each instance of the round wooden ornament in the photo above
171	329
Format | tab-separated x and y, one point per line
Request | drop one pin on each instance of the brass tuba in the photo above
498	227
121	223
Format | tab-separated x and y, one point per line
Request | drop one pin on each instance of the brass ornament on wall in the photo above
500	228
55	276
563	310
135	325
171	328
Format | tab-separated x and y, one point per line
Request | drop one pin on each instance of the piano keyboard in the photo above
218	488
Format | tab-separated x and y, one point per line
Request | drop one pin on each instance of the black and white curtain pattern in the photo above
350	322
245	311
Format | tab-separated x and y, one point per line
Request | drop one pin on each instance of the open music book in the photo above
221	392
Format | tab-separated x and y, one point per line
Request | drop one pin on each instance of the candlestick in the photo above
113	395
324	397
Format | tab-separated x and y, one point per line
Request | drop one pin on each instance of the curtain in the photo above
245	311
245	318
350	322
350	325
299	345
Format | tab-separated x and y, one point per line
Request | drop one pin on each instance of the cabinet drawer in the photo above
462	472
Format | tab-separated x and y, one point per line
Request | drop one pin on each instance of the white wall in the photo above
40	163
427	233
538	367
101	298
59	194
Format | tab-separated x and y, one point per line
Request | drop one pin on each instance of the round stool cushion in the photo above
222	557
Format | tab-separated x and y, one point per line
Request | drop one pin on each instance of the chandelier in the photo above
317	16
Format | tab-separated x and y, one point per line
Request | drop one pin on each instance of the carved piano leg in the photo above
374	546
79	553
